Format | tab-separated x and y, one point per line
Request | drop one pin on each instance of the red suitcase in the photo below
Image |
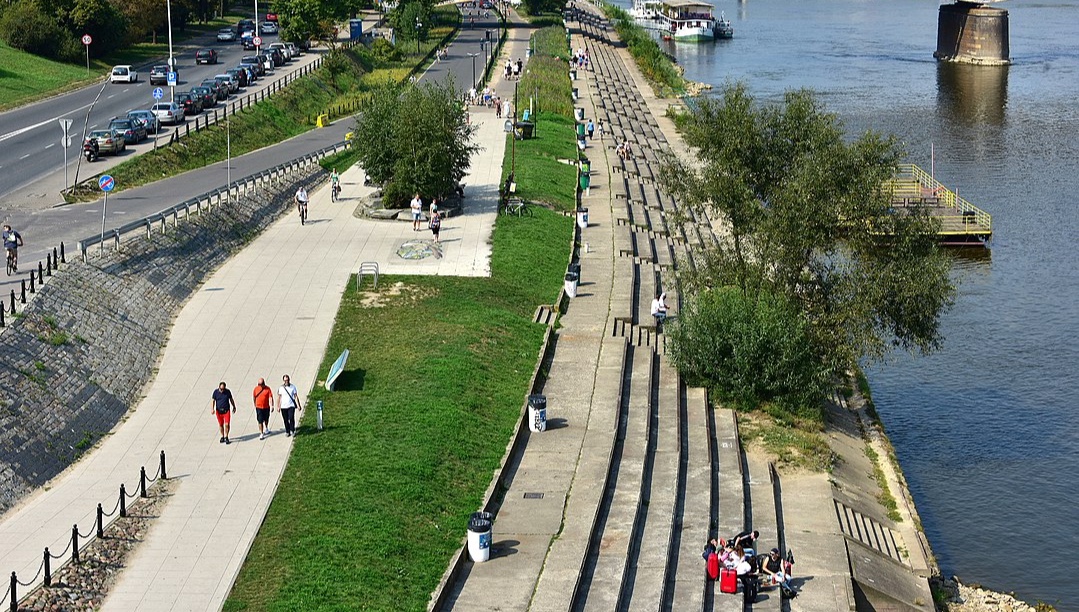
713	566
728	581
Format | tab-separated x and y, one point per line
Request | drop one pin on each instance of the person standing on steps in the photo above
417	210
263	398
288	398
219	405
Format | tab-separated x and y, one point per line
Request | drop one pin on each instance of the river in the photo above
986	428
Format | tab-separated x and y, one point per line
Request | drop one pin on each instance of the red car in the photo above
271	17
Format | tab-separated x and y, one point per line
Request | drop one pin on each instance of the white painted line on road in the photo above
25	156
53	144
110	97
37	125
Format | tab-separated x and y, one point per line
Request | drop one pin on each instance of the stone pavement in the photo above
267	312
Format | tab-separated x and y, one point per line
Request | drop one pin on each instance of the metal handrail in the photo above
945	196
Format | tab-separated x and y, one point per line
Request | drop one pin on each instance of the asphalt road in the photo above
44	229
31	138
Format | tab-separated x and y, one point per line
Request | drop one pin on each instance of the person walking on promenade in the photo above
219	405
288	399
590	128
436	224
417	210
301	204
263	398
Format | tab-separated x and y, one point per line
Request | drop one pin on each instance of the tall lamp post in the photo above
474	56
419	25
172	60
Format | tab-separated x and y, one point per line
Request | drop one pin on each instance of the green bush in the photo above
25	26
750	351
551	42
385	51
547	74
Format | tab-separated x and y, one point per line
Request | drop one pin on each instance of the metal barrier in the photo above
367	267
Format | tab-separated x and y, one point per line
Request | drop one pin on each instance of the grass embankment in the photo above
539	174
38	77
370	510
339	82
661	72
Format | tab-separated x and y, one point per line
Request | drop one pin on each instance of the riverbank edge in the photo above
949	593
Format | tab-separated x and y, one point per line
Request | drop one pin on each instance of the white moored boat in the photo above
687	20
646	9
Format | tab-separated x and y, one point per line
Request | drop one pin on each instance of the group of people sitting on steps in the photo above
738	555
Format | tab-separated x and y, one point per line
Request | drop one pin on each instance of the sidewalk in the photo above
267	312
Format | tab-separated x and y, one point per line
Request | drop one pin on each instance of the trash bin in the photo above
571	284
524	128
537	413
573	75
576	94
479	536
575	267
579	114
585	181
586	165
580	130
582	213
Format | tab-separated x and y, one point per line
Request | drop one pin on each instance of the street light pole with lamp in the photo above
419	25
474	56
172	60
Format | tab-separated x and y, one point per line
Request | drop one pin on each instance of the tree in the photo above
25	26
806	220
303	20
414	139
407	16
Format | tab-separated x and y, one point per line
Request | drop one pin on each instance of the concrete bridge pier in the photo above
973	33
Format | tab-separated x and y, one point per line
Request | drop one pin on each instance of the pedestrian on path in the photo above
219	405
601	129
417	210
436	224
591	128
288	398
263	398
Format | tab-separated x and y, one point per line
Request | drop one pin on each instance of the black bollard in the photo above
55	260
75	543
142	482
163	475
1	317
123	501
100	522
62	258
22	298
40	274
48	568
12	301
14	594
32	281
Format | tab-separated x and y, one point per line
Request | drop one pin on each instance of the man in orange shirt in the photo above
263	397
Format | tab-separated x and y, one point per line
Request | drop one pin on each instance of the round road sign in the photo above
158	93
106	183
86	39
257	40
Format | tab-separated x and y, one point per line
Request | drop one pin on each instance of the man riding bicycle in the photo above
301	204
335	185
12	242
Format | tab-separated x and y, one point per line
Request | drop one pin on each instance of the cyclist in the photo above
301	204
335	185
12	242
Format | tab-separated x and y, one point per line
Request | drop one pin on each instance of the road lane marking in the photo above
37	125
50	145
25	156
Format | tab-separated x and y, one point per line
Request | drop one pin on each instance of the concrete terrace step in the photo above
763	518
689	577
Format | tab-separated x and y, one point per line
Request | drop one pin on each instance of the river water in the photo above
986	429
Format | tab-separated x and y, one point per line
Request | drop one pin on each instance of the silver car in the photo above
168	112
148	118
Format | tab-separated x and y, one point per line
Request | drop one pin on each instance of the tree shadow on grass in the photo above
351	380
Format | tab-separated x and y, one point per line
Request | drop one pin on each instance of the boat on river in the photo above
687	20
646	9
723	27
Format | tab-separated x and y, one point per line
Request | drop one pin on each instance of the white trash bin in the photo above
479	536
571	284
537	413
582	218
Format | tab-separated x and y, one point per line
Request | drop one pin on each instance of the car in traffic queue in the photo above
255	63
283	48
148	118
169	112
231	82
276	57
132	130
123	74
267	62
190	102
205	56
108	142
240	74
271	17
207	96
226	35
251	71
159	75
268	27
296	51
244	24
248	41
221	90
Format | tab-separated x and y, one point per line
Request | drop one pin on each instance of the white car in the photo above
168	112
226	35
268	27
123	74
283	48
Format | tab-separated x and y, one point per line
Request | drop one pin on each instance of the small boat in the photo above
646	9
723	27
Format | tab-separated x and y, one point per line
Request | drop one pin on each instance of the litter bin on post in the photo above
586	165
573	75
585	182
571	283
575	266
537	413
479	536
582	213
578	113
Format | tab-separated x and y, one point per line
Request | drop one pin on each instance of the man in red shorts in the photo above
263	397
220	403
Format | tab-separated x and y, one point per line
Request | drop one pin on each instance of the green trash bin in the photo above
585	181
580	130
586	165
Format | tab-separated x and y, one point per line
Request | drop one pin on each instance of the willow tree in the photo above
805	226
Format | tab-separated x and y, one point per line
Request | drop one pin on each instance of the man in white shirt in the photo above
417	212
288	398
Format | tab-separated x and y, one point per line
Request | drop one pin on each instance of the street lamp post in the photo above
473	56
418	26
172	60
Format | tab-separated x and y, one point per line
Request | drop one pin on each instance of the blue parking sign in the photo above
171	78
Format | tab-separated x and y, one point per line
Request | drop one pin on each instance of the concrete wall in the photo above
78	357
973	34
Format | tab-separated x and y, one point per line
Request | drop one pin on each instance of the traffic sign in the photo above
158	93
257	41
171	78
86	39
65	124
106	183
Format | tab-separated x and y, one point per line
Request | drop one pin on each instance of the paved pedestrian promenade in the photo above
267	312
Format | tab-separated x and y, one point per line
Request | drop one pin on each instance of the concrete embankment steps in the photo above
869	532
761	511
689	577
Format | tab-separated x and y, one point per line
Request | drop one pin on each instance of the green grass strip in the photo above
370	510
539	174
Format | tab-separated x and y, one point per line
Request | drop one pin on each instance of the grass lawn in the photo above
540	176
370	510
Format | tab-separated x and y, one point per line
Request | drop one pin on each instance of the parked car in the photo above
190	102
283	48
244	24
249	70
240	74
221	90
248	41
296	51
132	130
268	27
231	83
168	112
108	141
159	74
148	118
267	62
123	74
207	96
271	17
226	35
276	56
254	62
205	56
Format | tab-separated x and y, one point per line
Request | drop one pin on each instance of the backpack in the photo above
750	587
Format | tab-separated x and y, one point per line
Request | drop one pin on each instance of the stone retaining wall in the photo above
78	357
